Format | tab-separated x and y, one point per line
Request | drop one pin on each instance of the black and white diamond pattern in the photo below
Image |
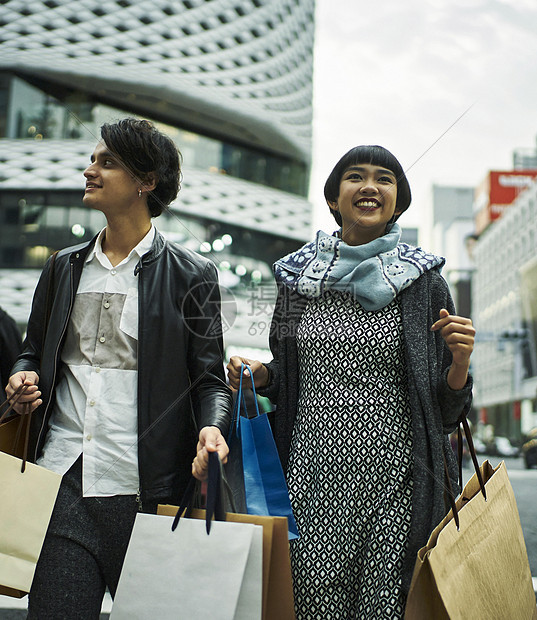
351	460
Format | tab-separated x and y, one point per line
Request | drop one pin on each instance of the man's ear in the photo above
150	181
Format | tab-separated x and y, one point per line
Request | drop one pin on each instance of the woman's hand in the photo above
459	335
31	399
259	370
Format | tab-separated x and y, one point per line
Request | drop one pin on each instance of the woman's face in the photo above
366	202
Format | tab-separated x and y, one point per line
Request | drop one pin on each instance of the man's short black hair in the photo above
144	149
376	156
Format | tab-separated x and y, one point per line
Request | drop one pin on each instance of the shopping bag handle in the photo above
462	421
9	403
214	505
242	400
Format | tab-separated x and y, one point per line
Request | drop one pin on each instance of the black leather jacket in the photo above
181	383
10	347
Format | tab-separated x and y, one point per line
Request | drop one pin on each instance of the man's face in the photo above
109	185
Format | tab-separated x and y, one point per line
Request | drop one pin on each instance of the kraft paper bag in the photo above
9	442
480	571
187	573
26	503
278	600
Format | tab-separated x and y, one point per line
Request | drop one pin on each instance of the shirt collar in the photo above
142	248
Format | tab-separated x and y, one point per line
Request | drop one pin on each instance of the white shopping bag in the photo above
26	503
188	574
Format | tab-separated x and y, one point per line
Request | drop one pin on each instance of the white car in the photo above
504	447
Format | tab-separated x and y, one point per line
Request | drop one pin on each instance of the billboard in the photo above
498	190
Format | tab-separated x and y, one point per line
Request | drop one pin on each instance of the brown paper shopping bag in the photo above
27	497
14	429
12	436
278	602
481	570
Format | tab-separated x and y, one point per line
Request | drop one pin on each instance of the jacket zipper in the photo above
71	268
138	273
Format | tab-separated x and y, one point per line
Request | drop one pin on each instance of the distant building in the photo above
498	190
504	299
229	80
525	159
453	226
409	235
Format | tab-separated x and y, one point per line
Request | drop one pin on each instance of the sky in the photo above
448	86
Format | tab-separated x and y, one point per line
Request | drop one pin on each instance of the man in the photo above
10	347
130	376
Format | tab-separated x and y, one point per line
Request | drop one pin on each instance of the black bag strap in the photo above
12	401
214	504
9	403
471	448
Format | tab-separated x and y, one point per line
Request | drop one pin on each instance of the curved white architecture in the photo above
237	69
229	80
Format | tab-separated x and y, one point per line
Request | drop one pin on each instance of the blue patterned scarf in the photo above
373	273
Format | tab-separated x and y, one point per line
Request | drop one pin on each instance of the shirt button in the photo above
106	304
91	403
97	369
113	272
102	339
89	436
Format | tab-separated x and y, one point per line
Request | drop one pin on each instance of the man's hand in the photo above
259	370
210	440
32	396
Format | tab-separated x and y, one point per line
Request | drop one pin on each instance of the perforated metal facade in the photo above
234	72
235	68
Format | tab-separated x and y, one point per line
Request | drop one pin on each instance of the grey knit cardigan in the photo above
434	405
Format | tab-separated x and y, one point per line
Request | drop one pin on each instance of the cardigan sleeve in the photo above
271	390
453	403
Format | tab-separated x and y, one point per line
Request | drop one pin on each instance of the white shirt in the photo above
95	412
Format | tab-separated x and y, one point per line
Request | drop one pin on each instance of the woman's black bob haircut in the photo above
144	150
376	156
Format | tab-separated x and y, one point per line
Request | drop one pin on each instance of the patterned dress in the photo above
350	467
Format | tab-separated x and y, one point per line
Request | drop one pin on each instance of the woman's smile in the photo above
367	205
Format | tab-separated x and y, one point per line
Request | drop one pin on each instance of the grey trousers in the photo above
83	552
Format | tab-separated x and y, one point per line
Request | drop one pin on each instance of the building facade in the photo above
504	298
453	227
229	80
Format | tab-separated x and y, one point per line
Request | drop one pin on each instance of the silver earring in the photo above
139	193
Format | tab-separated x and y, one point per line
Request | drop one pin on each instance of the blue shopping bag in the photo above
254	471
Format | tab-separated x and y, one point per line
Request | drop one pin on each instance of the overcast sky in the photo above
400	73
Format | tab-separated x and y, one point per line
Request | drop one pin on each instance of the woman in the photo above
370	374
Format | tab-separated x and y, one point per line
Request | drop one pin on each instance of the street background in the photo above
524	482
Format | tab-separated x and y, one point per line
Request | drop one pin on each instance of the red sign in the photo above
506	186
496	192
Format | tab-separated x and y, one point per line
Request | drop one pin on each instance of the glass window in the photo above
32	113
28	112
4	100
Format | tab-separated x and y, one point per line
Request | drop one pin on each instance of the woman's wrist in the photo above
265	377
457	376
